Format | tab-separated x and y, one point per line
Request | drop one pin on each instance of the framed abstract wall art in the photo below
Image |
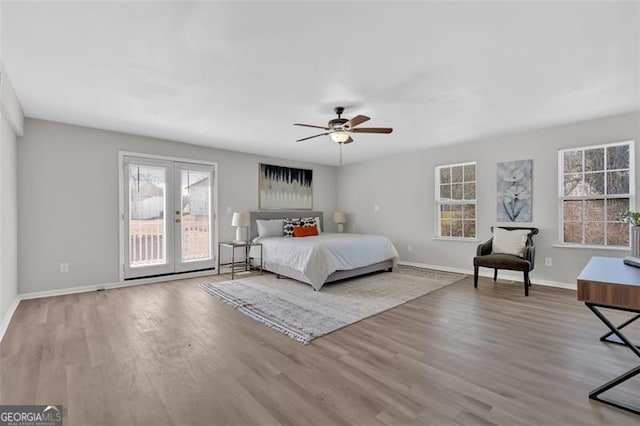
514	191
285	188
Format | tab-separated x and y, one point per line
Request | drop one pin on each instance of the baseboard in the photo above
109	286
487	273
4	325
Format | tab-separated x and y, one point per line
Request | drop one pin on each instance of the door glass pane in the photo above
147	218
196	216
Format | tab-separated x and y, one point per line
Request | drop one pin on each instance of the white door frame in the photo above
168	266
179	264
121	200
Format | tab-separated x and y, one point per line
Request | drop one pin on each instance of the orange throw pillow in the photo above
306	231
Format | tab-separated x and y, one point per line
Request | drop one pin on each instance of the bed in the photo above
321	259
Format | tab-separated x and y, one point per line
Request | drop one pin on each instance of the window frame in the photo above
561	197
438	202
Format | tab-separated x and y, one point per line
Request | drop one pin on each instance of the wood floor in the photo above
172	354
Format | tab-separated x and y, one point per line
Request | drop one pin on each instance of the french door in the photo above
168	217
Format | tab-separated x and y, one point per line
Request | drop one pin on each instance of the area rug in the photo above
293	308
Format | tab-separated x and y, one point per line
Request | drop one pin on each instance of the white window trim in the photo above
561	197
437	201
590	247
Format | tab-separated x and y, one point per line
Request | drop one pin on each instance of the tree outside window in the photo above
456	201
595	190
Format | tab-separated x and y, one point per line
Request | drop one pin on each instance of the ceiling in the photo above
237	75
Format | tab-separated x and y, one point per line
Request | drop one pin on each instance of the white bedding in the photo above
318	257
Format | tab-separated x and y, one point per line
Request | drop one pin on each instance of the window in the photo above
596	185
456	201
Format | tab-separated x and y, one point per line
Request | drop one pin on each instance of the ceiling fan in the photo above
340	129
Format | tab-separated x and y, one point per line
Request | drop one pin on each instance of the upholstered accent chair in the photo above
525	263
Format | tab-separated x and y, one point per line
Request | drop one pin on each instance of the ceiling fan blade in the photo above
310	125
311	137
373	130
347	141
358	119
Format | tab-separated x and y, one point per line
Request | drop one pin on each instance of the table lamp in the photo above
241	221
340	218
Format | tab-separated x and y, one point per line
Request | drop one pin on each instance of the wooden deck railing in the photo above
147	241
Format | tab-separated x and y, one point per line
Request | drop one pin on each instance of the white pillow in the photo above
318	224
509	242
270	228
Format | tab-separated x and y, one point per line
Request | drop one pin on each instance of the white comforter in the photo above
319	256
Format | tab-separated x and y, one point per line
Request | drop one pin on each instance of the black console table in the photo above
608	283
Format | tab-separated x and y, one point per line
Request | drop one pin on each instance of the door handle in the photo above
177	220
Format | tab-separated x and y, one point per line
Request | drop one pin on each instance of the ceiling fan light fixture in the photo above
339	136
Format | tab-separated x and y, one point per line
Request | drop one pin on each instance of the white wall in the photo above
403	187
11	122
68	198
10	107
8	221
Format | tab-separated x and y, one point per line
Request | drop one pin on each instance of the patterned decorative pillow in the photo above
307	222
288	224
292	222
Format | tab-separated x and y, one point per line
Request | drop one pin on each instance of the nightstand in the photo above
244	265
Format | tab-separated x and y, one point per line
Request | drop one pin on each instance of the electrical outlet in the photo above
64	267
409	247
548	261
376	208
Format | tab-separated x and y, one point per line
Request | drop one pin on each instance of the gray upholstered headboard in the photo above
266	215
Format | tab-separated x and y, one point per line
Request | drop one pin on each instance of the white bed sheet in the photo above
319	256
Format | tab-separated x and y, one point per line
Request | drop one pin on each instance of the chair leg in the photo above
529	281
526	283
475	276
495	275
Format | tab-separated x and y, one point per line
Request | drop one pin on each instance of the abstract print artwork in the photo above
514	191
285	188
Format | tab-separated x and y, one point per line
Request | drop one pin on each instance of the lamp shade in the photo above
339	137
240	219
340	217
